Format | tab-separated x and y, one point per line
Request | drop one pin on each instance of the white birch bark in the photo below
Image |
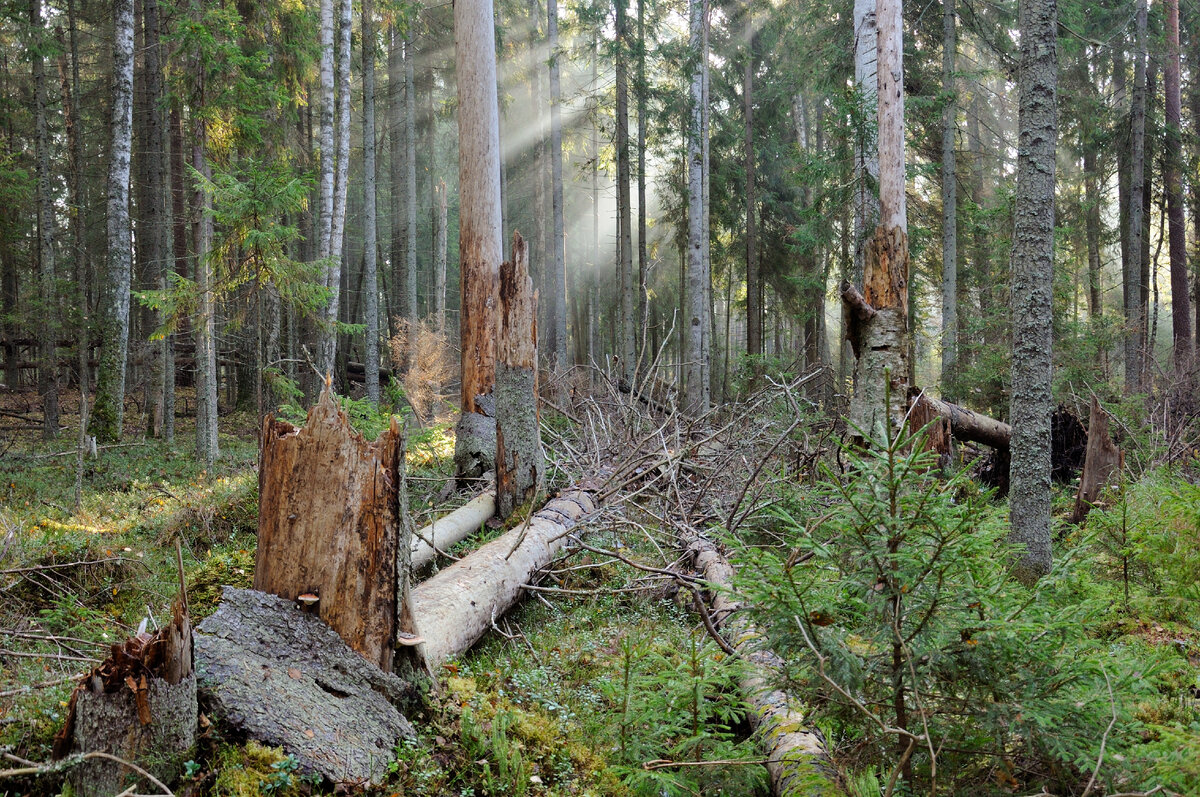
326	340
327	350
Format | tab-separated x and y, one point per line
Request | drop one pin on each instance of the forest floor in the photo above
602	682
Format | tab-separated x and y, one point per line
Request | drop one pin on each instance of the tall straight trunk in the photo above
479	244
401	299
47	324
370	243
410	193
158	218
1133	297
326	339
866	154
1032	264
542	239
697	298
558	266
1181	312
708	329
643	252
107	415
881	376
949	204
1091	194
327	346
204	325
624	236
1195	108
754	315
439	256
593	277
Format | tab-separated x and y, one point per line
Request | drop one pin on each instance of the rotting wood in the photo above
520	463
328	523
451	530
964	423
456	607
1103	458
140	705
797	755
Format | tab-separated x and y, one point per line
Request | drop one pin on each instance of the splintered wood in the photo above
328	524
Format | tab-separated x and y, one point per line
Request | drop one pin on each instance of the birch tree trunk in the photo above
47	324
327	347
107	414
696	368
330	278
626	349
881	379
1181	313
1134	298
558	276
479	245
207	449
400	298
949	204
1032	264
370	242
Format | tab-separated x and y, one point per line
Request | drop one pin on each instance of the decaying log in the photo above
452	529
797	754
329	524
457	606
138	705
520	463
1103	458
270	671
964	424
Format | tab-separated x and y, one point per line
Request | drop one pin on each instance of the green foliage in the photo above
895	605
369	420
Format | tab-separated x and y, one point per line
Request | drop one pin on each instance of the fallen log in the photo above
797	755
451	530
456	607
964	423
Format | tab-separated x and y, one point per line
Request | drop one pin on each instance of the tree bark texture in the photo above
1134	298
1103	458
949	203
1032	264
479	243
625	339
329	524
158	215
866	153
283	677
204	325
108	411
520	463
964	424
370	227
557	256
439	256
697	295
493	577
754	316
328	338
326	341
1181	313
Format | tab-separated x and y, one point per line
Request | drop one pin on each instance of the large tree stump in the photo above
329	524
138	705
520	464
1103	457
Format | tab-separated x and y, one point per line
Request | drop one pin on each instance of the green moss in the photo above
230	568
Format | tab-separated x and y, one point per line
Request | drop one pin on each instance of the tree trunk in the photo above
866	154
493	577
439	256
207	449
949	204
640	91
410	194
330	257
107	414
328	340
329	524
401	300
370	243
1032	265
1181	312
882	370
1103	457
520	464
557	256
697	303
479	244
47	323
754	316
625	350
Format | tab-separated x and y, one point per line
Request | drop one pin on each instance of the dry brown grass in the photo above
425	358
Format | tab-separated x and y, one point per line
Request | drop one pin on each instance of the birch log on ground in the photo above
520	463
797	755
329	524
456	607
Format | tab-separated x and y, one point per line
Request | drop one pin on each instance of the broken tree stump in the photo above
329	524
269	671
1102	459
520	463
138	705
